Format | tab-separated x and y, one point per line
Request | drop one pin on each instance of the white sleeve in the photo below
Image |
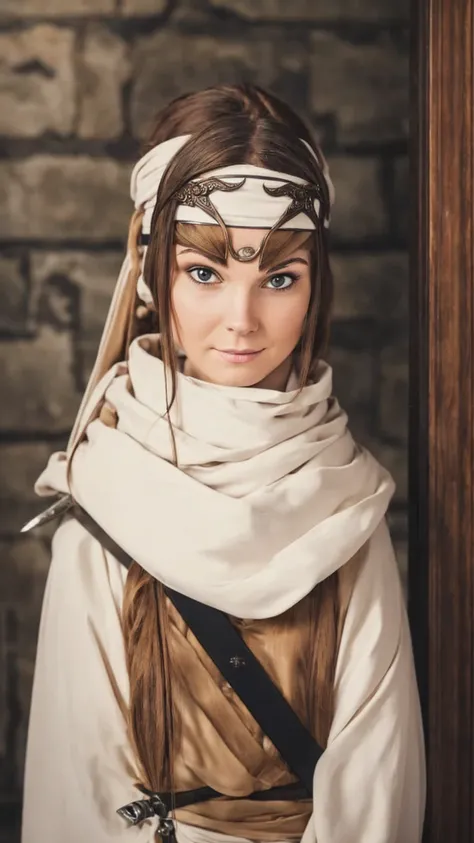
369	785
79	764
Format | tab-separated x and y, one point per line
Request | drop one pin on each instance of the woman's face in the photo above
238	325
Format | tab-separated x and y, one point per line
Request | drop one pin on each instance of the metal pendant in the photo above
166	831
246	253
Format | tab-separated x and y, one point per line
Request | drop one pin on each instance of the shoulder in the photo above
378	572
374	606
81	567
372	568
81	619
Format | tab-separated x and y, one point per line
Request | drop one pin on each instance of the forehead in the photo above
293	242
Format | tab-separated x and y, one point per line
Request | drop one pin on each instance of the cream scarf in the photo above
271	495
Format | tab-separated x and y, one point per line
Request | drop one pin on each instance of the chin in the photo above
237	377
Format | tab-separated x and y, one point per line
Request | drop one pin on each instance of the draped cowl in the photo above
271	495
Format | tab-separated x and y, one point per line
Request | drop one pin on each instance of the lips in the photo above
232	355
240	350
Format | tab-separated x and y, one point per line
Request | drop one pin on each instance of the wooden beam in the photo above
441	565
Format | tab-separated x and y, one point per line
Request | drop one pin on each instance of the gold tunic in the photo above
220	744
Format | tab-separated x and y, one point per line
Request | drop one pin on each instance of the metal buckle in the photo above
142	809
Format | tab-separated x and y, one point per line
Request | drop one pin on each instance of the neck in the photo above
278	379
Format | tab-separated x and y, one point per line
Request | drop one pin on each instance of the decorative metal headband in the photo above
303	196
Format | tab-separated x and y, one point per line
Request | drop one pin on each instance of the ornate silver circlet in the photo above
303	198
196	193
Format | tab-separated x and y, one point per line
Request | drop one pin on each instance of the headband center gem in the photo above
246	252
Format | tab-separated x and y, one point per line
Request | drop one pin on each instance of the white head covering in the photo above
251	207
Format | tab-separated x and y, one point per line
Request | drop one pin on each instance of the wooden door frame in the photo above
441	532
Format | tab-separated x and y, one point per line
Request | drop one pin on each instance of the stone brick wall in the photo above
79	82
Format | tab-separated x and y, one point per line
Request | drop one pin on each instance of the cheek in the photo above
190	313
286	316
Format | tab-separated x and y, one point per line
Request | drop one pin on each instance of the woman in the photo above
209	451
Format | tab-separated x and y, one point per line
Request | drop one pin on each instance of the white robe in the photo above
272	495
369	785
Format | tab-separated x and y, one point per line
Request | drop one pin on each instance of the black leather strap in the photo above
182	799
239	667
162	804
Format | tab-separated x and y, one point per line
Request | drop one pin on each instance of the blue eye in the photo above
202	274
281	282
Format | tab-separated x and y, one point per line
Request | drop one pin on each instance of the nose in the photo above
241	316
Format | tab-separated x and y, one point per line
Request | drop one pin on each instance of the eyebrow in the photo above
278	266
287	263
197	252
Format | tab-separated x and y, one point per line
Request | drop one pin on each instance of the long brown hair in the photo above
228	125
